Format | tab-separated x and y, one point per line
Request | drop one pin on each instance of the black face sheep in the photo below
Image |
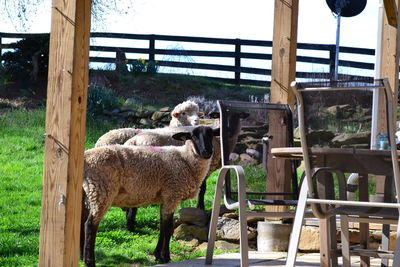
135	176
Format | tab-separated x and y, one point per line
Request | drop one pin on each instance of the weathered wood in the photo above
284	51
389	68
65	133
391	12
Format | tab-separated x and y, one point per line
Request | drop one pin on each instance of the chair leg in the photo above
344	226
244	244
214	217
298	222
396	259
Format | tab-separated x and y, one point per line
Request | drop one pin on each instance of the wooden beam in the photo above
284	48
389	68
65	133
391	12
283	72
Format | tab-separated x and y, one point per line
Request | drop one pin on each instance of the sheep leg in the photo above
161	252
200	196
84	216
131	219
90	238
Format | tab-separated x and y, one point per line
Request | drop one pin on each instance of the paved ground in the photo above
275	259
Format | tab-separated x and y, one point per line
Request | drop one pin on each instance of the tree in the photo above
20	12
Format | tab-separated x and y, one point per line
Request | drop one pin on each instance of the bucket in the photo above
273	236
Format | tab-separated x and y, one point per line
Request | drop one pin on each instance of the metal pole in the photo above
335	75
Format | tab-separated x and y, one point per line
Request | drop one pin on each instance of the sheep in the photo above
165	138
136	176
184	114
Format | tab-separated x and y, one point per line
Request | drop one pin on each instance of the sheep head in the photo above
201	137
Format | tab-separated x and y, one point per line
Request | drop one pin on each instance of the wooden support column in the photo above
65	133
283	72
389	66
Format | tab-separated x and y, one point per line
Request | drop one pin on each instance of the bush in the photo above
139	66
101	99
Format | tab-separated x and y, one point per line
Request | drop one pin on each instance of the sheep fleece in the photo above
129	176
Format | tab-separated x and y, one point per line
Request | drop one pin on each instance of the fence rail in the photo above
240	72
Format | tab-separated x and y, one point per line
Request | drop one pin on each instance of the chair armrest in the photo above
229	203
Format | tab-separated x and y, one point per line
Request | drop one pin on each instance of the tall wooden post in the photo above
283	72
389	64
65	133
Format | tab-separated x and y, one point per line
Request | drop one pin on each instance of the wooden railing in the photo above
236	53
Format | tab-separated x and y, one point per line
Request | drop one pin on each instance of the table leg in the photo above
327	227
364	227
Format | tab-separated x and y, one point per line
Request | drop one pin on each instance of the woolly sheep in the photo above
135	176
184	114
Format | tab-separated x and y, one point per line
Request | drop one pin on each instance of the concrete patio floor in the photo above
275	259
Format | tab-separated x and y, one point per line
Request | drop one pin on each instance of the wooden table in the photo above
349	160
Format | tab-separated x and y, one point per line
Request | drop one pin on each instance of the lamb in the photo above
135	176
184	114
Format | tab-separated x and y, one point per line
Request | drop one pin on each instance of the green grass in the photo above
21	170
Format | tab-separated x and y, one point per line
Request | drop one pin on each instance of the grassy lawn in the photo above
21	168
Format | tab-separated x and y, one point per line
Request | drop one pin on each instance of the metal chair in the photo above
327	112
260	126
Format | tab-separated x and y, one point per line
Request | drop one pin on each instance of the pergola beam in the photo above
65	133
391	12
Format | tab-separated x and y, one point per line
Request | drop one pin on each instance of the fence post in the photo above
332	56
120	61
237	60
152	47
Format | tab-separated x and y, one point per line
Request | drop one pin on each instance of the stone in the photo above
234	157
220	245
228	229
145	122
165	109
309	240
351	138
192	243
194	216
188	232
247	160
159	115
231	215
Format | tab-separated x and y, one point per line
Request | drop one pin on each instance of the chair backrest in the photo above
342	115
248	132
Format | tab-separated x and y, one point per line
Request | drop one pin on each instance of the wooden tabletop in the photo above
347	159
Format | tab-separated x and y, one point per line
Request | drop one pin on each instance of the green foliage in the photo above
28	61
101	99
140	66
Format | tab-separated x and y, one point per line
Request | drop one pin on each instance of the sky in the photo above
245	19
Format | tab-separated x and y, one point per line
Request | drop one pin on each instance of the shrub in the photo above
101	99
139	66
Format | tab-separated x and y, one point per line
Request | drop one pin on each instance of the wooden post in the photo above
237	60
283	73
152	45
389	68
65	133
284	48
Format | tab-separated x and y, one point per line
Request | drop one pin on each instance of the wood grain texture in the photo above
65	133
391	12
284	47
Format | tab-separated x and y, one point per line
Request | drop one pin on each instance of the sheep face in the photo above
202	140
190	118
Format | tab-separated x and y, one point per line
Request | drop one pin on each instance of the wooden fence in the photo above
235	51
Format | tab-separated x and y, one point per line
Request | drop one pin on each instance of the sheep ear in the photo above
175	114
214	115
216	132
200	114
182	136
